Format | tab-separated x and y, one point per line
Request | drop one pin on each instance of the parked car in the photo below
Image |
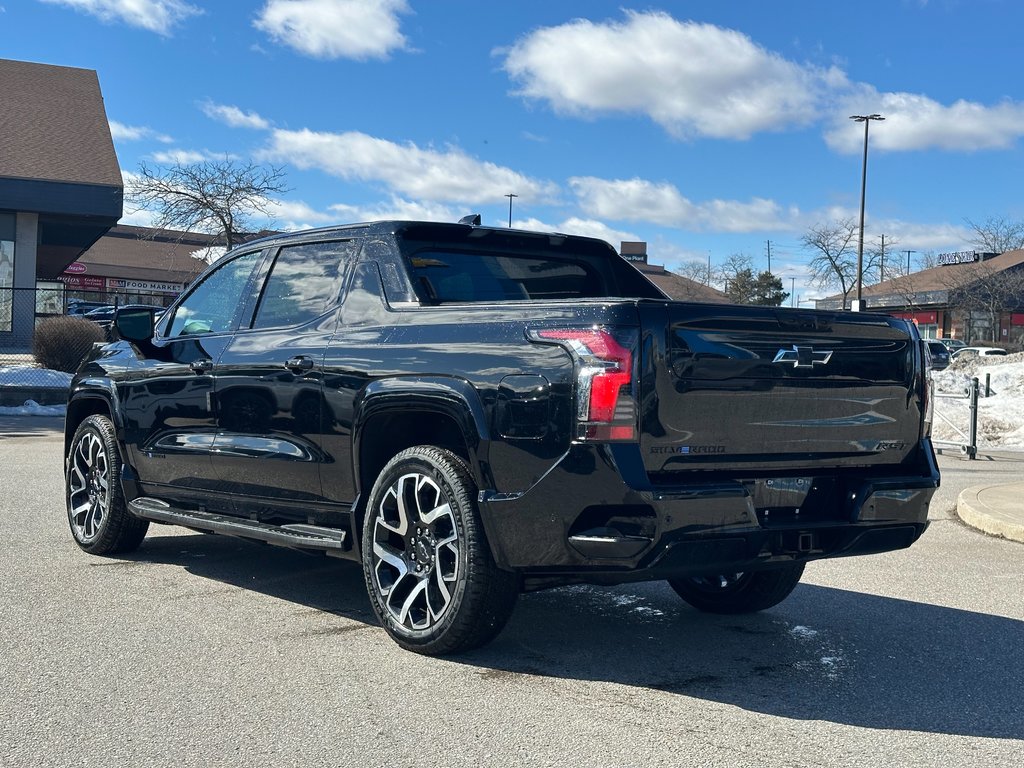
79	307
979	351
939	354
953	344
473	412
104	314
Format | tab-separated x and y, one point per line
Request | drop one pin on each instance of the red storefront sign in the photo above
83	282
921	318
1017	318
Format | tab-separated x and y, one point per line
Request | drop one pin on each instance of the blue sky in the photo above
704	128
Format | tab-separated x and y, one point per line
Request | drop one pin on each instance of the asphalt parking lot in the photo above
199	650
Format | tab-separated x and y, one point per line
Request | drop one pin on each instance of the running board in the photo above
296	535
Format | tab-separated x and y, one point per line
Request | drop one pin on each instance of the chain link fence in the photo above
21	312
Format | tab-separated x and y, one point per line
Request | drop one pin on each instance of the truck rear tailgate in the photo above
772	388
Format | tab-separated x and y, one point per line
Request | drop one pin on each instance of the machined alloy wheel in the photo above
88	486
97	513
429	571
743	592
415	551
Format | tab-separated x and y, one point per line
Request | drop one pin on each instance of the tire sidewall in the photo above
415	460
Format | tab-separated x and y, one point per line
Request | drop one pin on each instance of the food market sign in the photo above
960	257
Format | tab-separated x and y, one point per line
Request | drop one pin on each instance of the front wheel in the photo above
97	513
429	572
738	592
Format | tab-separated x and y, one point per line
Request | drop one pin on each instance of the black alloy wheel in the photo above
99	518
429	571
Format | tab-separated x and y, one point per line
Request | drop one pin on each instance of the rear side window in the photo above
444	276
304	282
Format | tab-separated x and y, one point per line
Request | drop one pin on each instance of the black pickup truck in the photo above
473	412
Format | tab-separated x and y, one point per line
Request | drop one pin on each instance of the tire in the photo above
429	572
97	513
738	592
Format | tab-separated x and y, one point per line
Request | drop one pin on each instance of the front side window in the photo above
213	307
304	282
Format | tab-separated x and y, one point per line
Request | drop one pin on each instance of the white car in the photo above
980	351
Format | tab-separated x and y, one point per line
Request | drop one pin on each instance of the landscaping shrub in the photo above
61	343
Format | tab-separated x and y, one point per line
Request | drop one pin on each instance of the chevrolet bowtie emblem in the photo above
802	357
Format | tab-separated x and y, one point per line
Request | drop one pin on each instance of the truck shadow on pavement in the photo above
824	654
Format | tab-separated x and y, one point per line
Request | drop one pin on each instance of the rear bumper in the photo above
595	517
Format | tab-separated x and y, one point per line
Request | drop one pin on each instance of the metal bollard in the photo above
988	385
972	447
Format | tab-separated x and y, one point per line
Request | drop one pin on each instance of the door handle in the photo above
299	364
201	366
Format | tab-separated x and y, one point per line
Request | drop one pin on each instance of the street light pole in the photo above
866	119
510	196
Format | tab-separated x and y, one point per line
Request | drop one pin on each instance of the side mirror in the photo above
134	324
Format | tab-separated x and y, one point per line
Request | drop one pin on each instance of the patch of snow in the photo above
30	376
32	408
1000	416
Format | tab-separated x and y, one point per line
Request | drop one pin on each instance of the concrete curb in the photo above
994	509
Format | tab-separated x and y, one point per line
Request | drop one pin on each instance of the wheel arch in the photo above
395	414
84	403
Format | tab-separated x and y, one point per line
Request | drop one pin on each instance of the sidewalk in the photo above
994	509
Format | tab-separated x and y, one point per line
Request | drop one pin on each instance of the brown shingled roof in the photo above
681	288
147	254
62	137
942	277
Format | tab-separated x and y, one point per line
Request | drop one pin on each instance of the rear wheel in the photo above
739	592
429	572
99	518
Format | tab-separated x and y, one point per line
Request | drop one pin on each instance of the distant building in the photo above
934	298
673	285
137	264
60	185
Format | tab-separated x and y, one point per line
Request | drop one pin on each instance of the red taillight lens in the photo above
606	406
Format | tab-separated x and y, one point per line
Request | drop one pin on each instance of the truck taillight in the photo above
606	401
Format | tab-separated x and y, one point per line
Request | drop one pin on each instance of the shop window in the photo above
6	270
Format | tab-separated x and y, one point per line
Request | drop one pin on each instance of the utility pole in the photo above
708	283
866	119
510	196
908	260
792	291
769	257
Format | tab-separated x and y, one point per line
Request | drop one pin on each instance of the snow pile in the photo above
1000	416
30	377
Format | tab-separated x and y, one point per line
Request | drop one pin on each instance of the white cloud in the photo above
574	226
917	122
690	78
233	116
158	16
662	203
397	208
180	157
424	174
335	29
122	132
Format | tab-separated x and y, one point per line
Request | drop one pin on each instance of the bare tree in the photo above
834	265
694	270
214	196
997	234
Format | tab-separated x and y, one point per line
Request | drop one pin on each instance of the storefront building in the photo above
60	187
136	265
976	297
